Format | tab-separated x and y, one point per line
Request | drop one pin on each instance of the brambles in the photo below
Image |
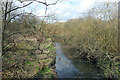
92	39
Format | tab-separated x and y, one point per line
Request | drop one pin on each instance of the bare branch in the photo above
54	3
6	11
15	33
45	3
46	10
10	66
41	2
108	56
13	18
19	7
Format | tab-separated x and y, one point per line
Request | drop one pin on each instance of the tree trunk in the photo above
0	42
119	28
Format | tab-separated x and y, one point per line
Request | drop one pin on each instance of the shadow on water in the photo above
66	68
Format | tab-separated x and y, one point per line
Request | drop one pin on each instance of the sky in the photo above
65	10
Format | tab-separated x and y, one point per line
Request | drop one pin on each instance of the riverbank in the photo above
31	63
92	40
103	64
47	64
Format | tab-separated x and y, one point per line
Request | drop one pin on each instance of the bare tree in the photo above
8	8
20	25
0	42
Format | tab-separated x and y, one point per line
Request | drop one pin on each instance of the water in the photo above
66	68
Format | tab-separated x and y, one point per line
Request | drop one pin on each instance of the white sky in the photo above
67	9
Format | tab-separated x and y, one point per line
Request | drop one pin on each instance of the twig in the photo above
10	66
19	7
108	56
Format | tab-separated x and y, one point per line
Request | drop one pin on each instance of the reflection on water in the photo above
66	68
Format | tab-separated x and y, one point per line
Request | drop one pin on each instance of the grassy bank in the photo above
29	63
28	49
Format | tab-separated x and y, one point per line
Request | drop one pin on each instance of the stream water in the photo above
67	68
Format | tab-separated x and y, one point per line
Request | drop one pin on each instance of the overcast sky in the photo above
67	9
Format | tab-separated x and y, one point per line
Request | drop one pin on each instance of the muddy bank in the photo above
76	54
